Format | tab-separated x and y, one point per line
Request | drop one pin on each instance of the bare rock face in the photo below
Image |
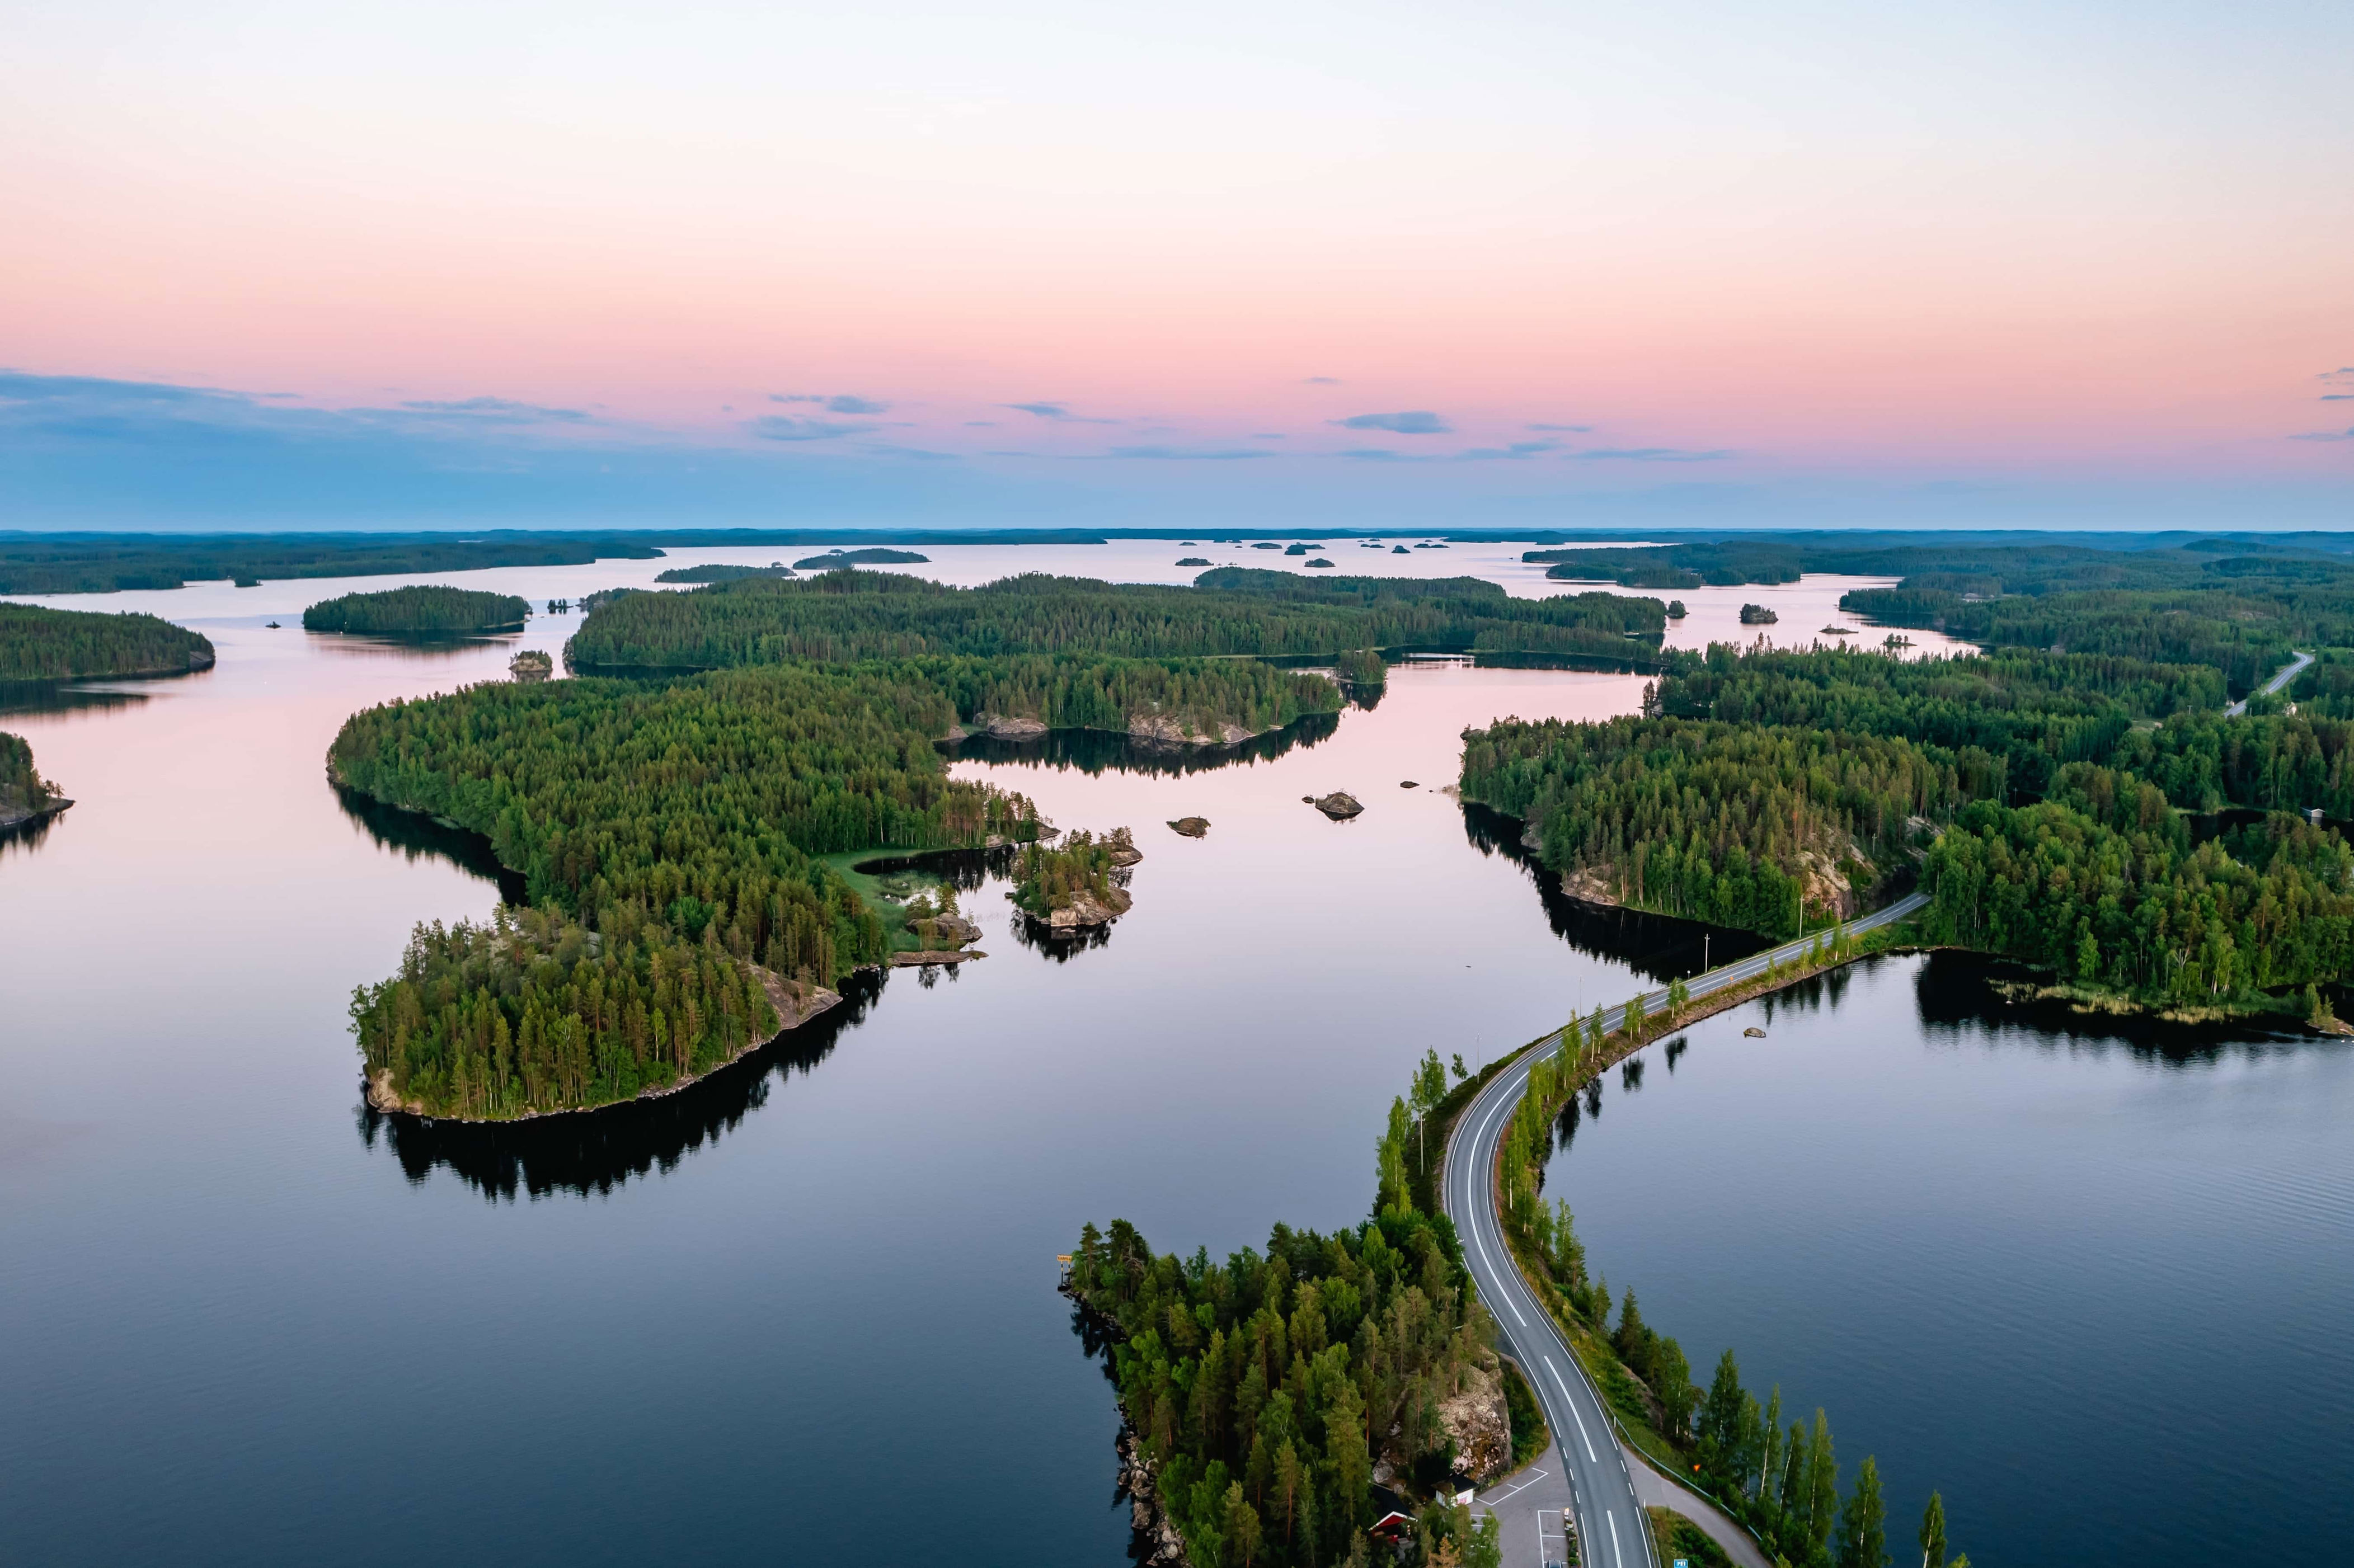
944	930
1483	1429
1121	846
1191	826
1588	885
1162	729
911	960
1339	805
1086	909
1156	1537
1005	728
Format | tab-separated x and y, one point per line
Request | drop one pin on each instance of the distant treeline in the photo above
41	644
23	790
848	615
2237	605
106	562
418	608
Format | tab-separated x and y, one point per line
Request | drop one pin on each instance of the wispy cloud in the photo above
495	410
1379	454
833	403
917	454
1516	450
1058	412
778	427
19	387
1572	430
1188	454
2346	435
1651	454
1409	422
1323	381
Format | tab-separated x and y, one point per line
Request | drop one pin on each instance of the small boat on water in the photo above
271	626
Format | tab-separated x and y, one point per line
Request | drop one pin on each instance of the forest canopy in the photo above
2064	785
418	608
693	811
847	615
42	644
1261	1390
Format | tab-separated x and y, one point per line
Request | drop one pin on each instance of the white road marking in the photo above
1492	1499
1477	1238
1616	1556
1592	1457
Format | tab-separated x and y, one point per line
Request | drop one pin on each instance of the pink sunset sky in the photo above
1561	265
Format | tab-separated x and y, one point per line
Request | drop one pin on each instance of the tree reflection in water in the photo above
594	1151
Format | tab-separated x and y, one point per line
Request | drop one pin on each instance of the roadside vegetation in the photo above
420	609
1782	1482
41	644
1260	1391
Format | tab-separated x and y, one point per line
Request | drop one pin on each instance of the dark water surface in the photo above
2090	1277
805	1311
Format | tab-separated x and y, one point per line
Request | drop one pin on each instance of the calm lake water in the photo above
806	1310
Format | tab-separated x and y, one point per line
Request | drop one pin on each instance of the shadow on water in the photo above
1975	997
1093	751
407	645
592	1152
1060	949
414	836
1656	946
61	697
26	837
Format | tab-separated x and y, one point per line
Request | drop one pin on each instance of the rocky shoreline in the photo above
14	817
1145	728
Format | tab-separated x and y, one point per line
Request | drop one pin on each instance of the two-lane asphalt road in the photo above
2288	671
1611	1529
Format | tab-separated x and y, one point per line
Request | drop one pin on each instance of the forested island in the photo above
654	823
697	808
25	795
417	610
718	574
845	615
2059	809
873	555
41	644
1070	886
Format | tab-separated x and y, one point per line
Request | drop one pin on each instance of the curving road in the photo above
2288	671
1612	1531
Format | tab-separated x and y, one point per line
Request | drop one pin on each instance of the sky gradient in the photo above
2081	265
